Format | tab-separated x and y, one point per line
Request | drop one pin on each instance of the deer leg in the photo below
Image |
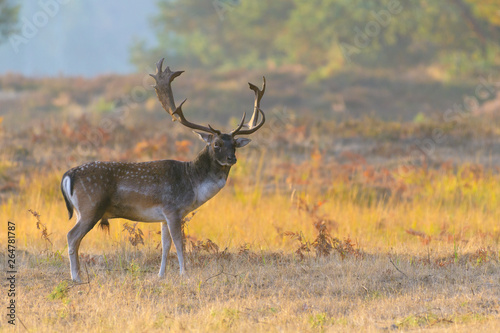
166	242
174	226
75	236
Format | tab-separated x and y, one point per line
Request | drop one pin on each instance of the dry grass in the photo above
258	291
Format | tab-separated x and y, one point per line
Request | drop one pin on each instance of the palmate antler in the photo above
252	124
164	92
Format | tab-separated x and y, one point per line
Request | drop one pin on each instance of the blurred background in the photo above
361	95
398	60
441	40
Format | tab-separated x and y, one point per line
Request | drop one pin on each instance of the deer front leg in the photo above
174	227
166	242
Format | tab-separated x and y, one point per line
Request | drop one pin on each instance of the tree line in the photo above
325	36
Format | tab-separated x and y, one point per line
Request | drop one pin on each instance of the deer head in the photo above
221	146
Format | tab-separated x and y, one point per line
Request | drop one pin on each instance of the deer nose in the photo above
231	159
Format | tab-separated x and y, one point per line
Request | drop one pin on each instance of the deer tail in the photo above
67	191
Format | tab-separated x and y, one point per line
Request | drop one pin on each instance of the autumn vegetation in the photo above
335	225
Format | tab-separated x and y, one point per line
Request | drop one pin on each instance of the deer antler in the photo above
252	124
164	92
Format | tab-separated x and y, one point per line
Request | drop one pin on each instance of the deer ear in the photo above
242	142
207	137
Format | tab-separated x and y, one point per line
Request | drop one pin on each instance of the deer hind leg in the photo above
166	243
75	236
174	227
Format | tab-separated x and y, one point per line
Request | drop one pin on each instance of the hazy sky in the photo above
71	37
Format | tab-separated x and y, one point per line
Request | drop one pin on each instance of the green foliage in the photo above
8	18
103	106
134	269
60	291
318	320
326	35
487	10
420	118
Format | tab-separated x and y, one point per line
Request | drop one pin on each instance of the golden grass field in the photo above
321	227
427	259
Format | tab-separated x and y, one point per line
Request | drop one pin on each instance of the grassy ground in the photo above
263	292
425	260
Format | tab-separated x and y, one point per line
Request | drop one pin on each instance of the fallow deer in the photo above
158	191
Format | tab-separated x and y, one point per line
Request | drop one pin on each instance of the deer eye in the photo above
217	145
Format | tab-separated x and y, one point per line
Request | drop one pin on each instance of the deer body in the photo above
142	191
158	191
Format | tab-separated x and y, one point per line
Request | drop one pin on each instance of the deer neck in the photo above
208	176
